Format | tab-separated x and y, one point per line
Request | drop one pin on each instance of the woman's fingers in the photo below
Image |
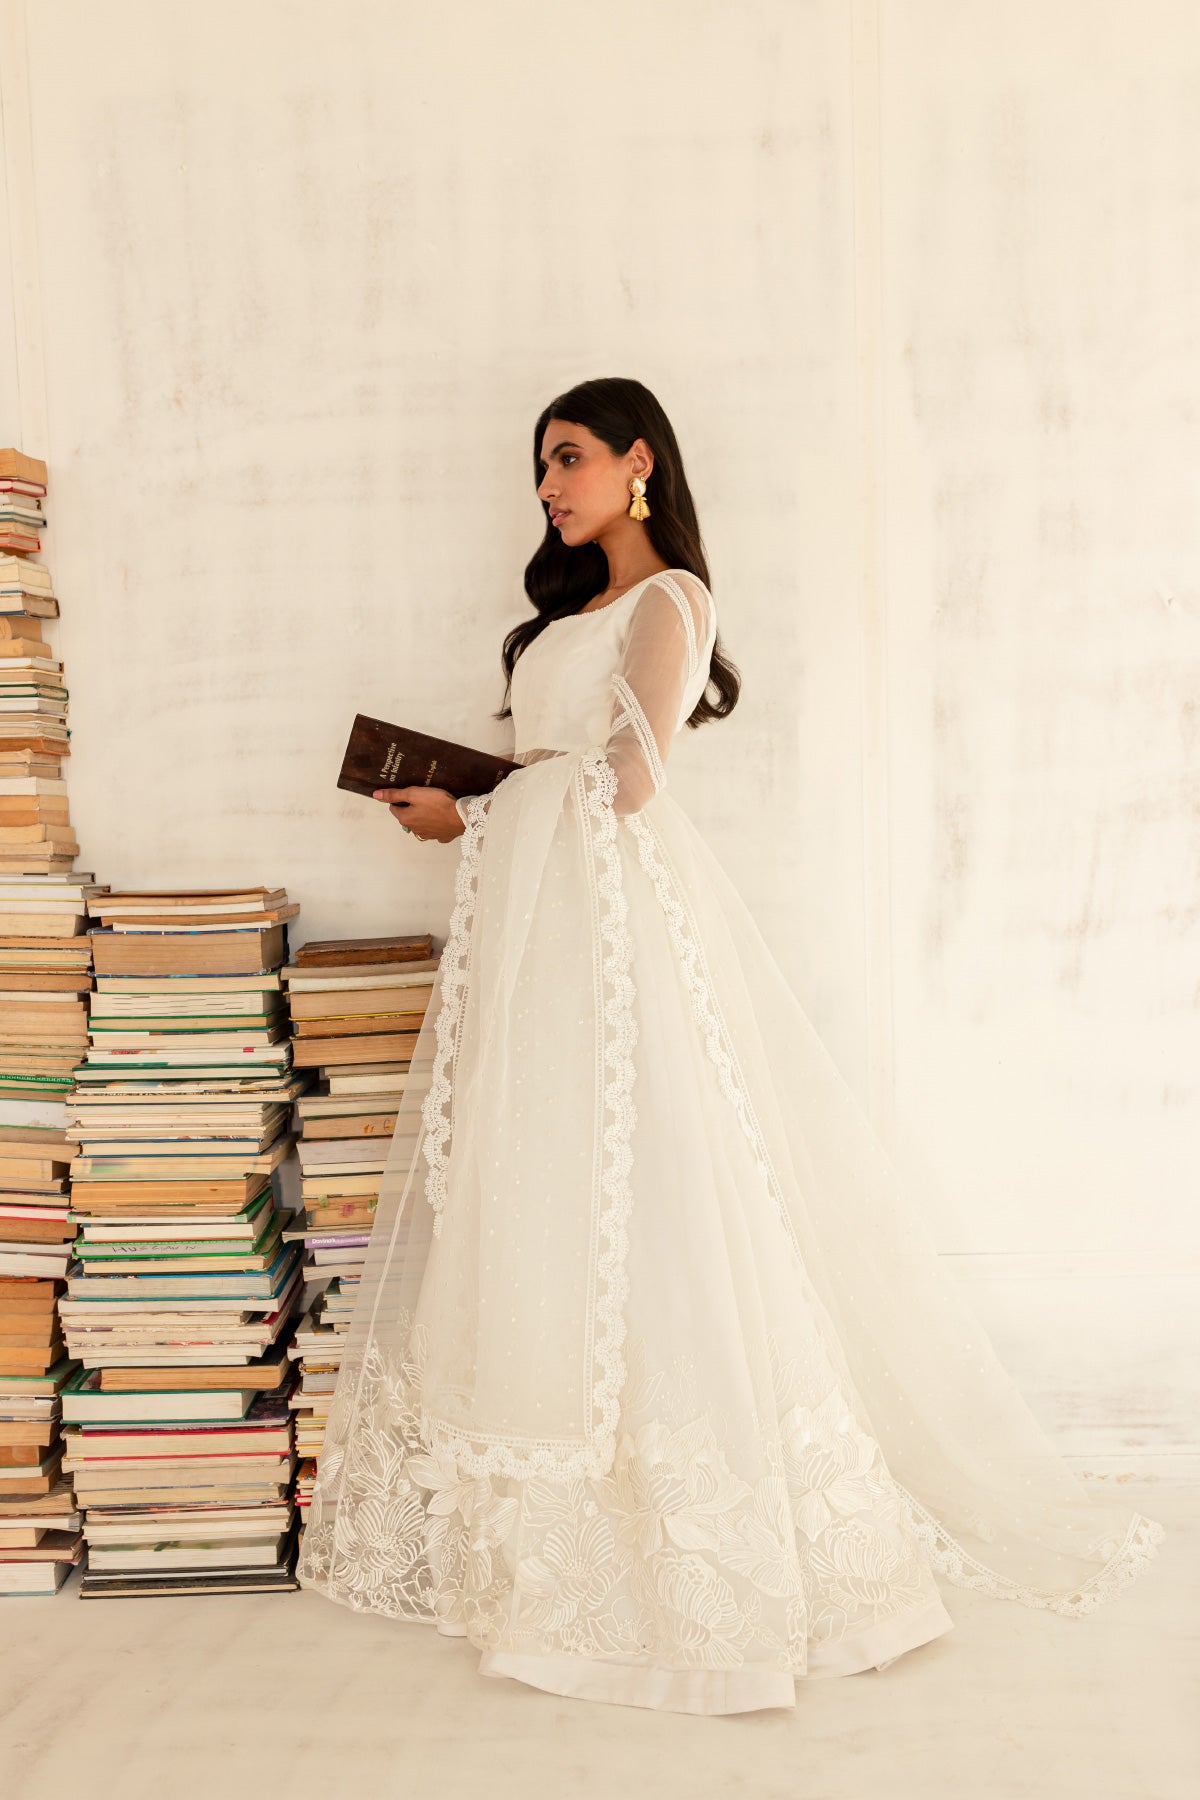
420	810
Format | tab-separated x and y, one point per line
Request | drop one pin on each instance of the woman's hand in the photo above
428	812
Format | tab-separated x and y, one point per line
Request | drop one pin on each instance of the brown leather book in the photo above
381	755
338	952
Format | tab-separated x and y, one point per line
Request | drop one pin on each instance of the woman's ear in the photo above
643	457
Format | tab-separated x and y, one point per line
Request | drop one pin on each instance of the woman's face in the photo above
585	486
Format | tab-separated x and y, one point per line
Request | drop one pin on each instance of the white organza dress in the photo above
656	1389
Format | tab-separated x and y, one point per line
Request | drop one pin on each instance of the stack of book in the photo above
40	1539
22	502
40	1536
44	955
33	698
168	1283
34	1254
45	977
186	1490
33	732
45	974
356	1007
182	1282
36	836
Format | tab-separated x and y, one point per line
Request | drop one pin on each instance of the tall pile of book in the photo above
45	976
356	1008
178	1432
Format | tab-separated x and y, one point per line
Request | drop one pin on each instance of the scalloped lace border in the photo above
455	967
596	787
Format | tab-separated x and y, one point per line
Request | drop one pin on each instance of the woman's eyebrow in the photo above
567	444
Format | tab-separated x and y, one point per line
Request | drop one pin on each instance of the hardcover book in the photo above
338	952
382	755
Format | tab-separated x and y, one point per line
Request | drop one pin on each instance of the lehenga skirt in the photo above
656	1388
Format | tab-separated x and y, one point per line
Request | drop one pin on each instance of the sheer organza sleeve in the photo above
669	635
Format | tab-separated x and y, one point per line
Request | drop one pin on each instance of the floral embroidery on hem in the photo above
672	1554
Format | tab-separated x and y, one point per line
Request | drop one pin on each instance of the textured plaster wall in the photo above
918	285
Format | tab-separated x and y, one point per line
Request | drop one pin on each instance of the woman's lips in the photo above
556	517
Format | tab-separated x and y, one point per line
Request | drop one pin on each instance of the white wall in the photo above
918	286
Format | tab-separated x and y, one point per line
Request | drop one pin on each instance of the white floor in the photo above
267	1696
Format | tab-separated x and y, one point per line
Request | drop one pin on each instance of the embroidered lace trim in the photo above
618	1036
485	1454
634	715
685	612
1127	1558
694	966
455	968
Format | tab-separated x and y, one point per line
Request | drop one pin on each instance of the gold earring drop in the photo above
639	509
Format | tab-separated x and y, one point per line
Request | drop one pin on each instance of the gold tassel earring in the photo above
639	509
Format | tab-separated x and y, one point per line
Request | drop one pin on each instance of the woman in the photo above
656	1390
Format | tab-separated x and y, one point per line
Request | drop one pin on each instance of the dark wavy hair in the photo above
560	580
